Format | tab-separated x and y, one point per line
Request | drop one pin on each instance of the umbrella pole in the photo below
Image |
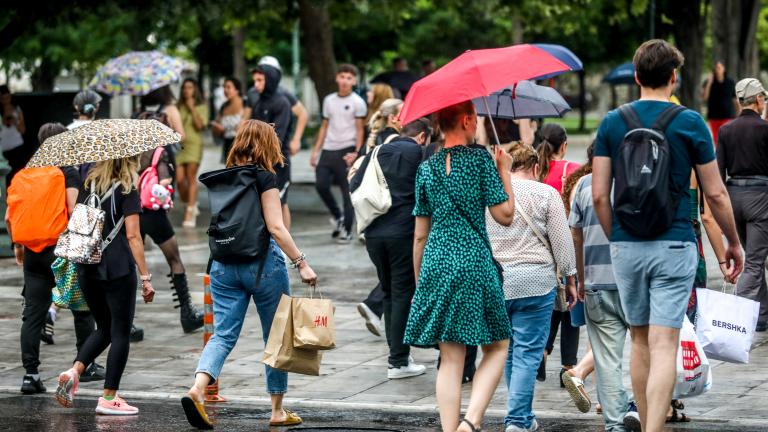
493	126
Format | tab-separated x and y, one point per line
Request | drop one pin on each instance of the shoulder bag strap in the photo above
390	138
156	157
532	226
565	174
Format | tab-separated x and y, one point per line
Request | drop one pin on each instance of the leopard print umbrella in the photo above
102	140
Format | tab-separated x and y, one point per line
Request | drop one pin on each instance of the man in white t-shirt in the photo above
340	138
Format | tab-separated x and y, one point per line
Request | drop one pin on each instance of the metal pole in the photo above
296	67
493	126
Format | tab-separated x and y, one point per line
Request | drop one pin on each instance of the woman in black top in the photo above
38	283
157	225
110	286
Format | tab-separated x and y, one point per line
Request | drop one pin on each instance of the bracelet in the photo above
146	278
301	258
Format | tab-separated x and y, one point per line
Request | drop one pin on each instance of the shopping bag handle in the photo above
312	288
725	285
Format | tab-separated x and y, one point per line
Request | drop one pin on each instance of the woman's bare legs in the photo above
448	386
485	382
189	191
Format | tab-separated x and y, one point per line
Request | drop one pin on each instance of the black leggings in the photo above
569	338
332	169
112	304
38	283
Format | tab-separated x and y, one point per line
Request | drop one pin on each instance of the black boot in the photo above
191	318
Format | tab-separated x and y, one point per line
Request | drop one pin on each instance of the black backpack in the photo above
237	232
645	199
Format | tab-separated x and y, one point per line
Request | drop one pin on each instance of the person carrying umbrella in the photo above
109	287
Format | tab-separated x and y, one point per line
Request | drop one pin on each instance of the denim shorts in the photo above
654	280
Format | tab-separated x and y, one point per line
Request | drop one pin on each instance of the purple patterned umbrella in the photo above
137	73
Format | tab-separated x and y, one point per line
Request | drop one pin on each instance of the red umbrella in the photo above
474	74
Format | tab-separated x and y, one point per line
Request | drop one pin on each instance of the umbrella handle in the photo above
493	126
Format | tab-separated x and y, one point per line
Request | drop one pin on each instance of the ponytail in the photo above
553	137
379	119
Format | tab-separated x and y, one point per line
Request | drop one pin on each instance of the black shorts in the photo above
156	225
283	180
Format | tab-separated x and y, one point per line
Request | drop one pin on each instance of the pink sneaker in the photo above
65	393
117	406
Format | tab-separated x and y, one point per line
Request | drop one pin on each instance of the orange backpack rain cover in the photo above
37	207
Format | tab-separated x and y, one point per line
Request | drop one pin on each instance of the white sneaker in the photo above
411	370
513	428
372	322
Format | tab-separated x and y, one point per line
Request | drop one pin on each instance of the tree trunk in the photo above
238	55
317	40
689	38
44	76
734	26
518	28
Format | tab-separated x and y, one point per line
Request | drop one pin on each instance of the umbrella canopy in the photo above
102	140
524	100
622	74
137	73
475	74
564	55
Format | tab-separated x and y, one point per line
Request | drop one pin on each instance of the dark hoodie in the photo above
273	107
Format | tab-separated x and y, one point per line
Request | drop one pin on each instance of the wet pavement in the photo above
352	390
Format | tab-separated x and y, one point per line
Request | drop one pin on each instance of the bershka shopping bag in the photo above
280	353
694	376
313	322
725	324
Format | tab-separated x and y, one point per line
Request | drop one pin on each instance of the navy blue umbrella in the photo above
564	55
524	100
622	74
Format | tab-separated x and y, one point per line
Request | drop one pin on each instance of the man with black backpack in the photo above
647	149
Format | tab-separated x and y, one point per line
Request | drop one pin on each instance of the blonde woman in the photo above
110	286
255	153
384	124
376	96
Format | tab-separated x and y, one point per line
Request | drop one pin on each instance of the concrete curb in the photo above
388	408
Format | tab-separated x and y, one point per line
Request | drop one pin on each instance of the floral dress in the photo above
459	296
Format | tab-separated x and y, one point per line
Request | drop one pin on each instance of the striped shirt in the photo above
598	271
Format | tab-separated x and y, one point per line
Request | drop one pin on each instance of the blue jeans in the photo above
529	318
232	287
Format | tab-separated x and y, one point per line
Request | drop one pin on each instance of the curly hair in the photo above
575	176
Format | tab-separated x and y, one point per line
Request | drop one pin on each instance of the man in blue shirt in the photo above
654	276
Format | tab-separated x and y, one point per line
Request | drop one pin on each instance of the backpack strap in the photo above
630	117
156	157
666	117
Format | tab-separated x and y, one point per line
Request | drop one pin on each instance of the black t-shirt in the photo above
117	260
71	178
720	102
265	181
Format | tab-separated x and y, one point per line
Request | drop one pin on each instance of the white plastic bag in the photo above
725	325
694	375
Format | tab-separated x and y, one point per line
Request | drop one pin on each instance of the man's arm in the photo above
360	133
720	204
319	142
302	117
601	192
578	245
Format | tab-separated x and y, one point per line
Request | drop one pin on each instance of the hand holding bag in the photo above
725	324
280	353
313	322
694	375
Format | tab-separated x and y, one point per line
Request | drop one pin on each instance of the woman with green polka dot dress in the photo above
459	299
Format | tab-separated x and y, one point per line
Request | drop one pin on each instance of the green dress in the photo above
459	295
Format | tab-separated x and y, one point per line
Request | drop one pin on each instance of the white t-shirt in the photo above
77	123
341	113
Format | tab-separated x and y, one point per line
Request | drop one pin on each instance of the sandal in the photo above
195	412
678	417
575	387
291	419
471	426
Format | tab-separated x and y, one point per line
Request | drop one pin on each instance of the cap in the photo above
270	61
749	87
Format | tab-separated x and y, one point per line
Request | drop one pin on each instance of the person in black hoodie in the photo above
274	108
389	239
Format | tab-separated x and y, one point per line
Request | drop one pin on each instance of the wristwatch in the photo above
146	278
